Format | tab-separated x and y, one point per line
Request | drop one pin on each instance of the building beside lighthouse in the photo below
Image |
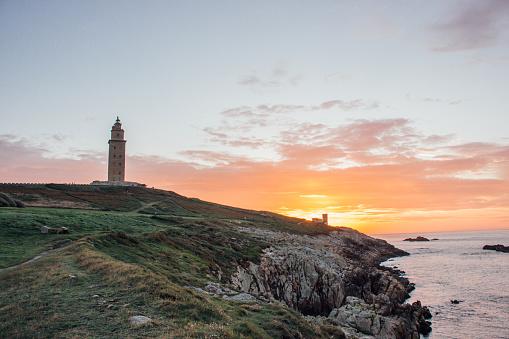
324	220
116	159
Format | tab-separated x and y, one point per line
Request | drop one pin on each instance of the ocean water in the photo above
455	267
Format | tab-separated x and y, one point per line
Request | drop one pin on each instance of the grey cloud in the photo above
474	25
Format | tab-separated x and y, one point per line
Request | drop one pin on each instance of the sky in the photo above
390	116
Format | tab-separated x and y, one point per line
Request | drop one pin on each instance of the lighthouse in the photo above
116	159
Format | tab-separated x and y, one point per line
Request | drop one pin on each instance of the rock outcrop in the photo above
139	319
419	238
327	275
498	248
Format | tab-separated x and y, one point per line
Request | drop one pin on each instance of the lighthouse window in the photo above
114	155
118	134
120	163
114	147
119	173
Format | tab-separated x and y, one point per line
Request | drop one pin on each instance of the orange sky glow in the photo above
390	116
387	187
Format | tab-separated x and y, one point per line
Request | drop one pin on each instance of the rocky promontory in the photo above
335	279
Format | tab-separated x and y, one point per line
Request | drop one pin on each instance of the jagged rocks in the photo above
337	272
356	317
302	277
217	288
240	297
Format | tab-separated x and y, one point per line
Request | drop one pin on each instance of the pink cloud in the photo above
23	162
370	170
268	110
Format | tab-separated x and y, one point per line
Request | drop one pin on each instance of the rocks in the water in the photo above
139	319
498	248
419	238
456	301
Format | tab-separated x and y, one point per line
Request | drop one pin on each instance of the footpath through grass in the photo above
20	229
124	265
133	252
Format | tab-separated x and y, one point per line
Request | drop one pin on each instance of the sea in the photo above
455	267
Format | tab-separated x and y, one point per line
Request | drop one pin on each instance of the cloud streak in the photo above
376	175
261	82
474	25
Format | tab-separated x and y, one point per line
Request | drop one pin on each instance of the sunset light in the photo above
254	169
329	117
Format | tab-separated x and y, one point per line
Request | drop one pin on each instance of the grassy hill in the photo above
133	251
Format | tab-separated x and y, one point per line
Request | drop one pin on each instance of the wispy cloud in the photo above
473	25
278	77
20	161
264	111
363	173
378	26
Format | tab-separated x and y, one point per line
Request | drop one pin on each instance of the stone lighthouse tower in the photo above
116	160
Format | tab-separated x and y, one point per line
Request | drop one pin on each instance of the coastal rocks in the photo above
419	238
336	279
356	317
296	277
498	248
216	288
240	297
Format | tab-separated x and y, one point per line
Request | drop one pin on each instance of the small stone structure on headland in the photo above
324	220
116	159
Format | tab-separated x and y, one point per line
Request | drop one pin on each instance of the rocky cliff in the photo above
335	279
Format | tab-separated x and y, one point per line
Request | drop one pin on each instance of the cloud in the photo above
351	105
266	111
473	25
261	81
378	27
364	173
337	77
59	137
21	161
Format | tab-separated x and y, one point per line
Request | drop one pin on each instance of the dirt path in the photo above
39	256
145	204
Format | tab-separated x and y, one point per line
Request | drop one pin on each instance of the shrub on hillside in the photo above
19	204
3	203
7	201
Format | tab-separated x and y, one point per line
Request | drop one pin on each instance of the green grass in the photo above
138	262
20	229
137	274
